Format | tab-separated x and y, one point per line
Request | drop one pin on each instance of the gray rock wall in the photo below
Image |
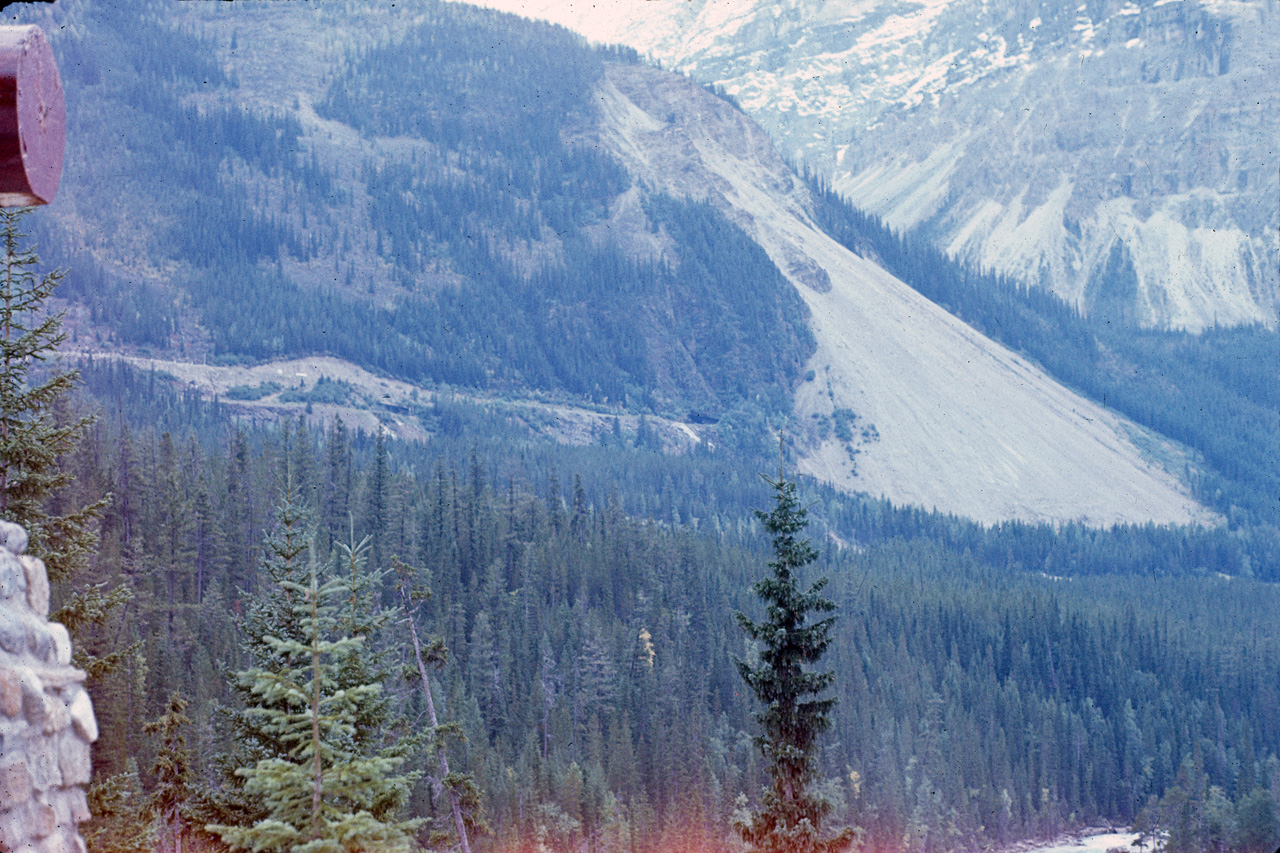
46	718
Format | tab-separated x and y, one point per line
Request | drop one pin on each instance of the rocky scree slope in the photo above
1115	151
906	401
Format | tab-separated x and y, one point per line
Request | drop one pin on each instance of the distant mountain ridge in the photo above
456	198
1116	153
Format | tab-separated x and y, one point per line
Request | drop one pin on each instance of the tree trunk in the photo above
454	805
318	777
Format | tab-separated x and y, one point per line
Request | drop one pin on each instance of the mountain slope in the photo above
1113	153
452	197
915	404
266	182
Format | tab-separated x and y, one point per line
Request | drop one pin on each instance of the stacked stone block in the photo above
46	718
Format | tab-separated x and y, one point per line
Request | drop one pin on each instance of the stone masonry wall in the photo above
46	718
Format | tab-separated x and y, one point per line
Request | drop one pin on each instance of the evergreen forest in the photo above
528	645
991	684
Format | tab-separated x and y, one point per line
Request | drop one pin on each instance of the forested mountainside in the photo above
476	237
1216	392
457	240
993	684
888	361
1112	151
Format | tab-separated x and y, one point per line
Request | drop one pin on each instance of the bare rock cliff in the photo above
1118	152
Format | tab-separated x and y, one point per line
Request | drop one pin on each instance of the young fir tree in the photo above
790	816
267	615
117	803
378	726
170	802
322	794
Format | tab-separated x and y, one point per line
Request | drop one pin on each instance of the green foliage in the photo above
844	420
324	790
39	436
489	234
252	392
592	674
733	307
465	801
499	85
326	390
1257	822
790	818
118	825
267	618
32	438
1195	816
171	799
998	682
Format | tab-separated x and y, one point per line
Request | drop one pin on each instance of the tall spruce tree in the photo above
790	816
323	792
265	616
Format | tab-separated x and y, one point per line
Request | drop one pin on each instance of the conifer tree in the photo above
376	503
363	616
31	440
172	770
35	433
265	616
116	803
323	793
461	789
790	816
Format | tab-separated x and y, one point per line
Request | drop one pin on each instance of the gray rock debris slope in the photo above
46	718
945	418
1119	152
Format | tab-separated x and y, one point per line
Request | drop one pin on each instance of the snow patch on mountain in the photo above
933	413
